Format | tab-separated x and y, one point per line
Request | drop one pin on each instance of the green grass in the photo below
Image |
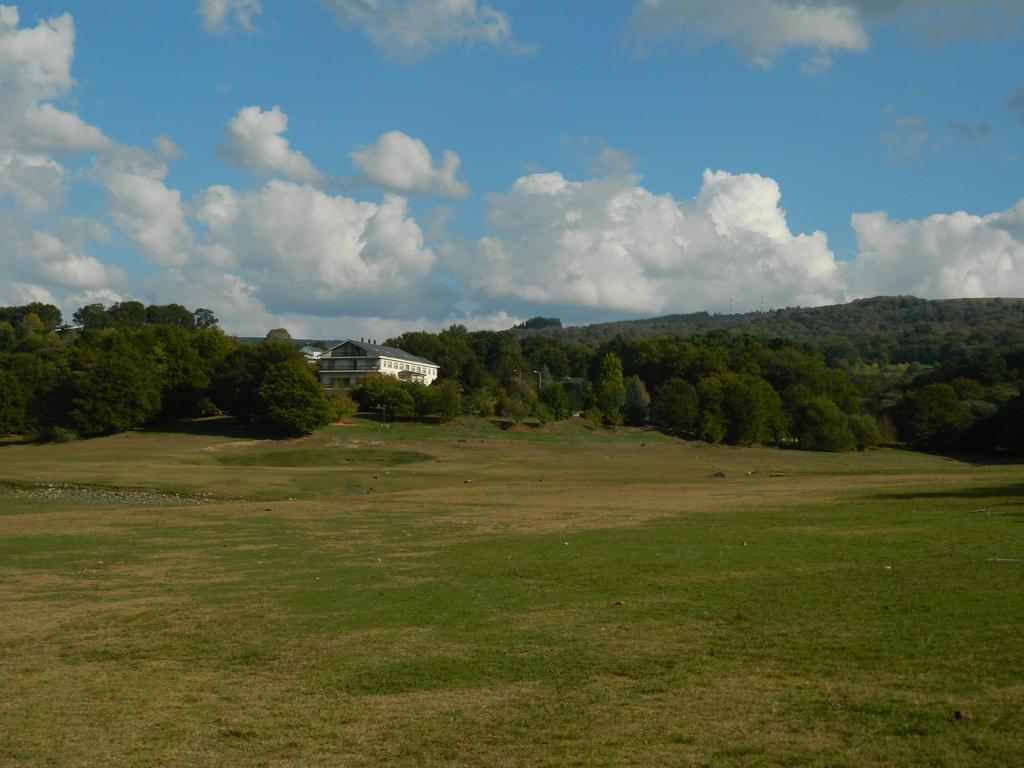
561	597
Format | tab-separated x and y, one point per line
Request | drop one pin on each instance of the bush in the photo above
340	404
54	434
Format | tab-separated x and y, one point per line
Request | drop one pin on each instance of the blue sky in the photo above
343	167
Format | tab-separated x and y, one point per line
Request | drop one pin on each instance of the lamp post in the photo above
519	375
540	380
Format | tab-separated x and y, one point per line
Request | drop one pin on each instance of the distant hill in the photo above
881	329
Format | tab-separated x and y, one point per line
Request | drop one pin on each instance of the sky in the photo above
348	168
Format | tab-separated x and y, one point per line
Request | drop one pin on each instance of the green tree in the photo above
637	404
385	394
340	404
555	398
675	407
127	314
482	402
447	400
270	386
610	390
740	408
113	386
292	400
204	318
279	334
822	426
865	431
933	417
92	316
7	337
171	314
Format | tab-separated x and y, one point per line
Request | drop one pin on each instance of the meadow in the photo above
467	595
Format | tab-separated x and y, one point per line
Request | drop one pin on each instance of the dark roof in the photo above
379	350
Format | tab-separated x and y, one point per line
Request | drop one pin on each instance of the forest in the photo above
128	365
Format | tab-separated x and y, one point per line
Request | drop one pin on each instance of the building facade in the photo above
344	365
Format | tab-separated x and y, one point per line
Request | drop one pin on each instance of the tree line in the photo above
126	365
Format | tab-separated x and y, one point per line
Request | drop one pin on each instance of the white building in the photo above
344	365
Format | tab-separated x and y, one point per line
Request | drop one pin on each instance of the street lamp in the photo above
540	382
519	376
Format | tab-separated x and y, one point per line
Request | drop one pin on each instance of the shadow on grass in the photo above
981	492
214	426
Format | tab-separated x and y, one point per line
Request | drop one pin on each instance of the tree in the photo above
127	314
739	408
482	403
204	318
865	430
555	398
279	334
7	337
170	314
340	403
447	400
113	386
610	391
385	394
675	407
270	385
821	426
932	417
293	400
637	403
92	316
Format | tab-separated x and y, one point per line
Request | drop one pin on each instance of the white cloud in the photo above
306	251
404	164
253	140
18	294
52	260
35	63
166	149
35	182
217	15
611	245
408	30
142	205
942	256
761	30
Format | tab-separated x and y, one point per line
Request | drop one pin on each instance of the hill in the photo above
882	329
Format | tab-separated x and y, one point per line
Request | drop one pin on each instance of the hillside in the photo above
885	328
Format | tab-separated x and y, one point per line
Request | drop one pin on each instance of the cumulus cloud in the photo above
217	15
253	140
34	182
409	30
305	250
404	164
761	30
42	262
942	256
612	245
143	206
35	63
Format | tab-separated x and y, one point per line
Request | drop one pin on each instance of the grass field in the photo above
468	596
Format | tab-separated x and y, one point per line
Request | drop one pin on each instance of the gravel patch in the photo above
71	493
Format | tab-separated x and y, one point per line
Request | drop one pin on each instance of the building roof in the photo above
379	350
